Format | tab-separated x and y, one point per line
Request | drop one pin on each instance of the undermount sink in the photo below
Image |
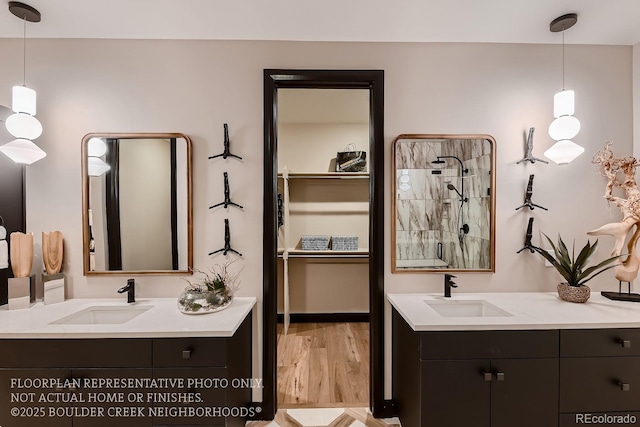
103	315
466	308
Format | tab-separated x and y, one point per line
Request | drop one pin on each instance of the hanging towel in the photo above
4	249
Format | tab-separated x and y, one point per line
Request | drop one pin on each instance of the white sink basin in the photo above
103	315
466	308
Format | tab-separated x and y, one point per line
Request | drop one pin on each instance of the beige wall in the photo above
500	89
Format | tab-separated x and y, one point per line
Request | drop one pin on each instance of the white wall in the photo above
135	86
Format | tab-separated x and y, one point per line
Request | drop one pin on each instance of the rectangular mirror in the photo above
136	203
444	203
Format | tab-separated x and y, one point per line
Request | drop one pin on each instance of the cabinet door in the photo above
524	393
455	393
30	411
207	388
124	407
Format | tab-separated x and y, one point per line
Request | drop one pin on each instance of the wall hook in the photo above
227	241
527	238
528	157
227	150
227	196
527	198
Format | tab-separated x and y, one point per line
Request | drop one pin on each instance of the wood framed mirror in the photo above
136	203
443	203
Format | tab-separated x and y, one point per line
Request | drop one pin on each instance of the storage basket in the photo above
344	243
315	243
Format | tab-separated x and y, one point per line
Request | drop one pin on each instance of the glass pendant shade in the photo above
563	103
96	167
23	126
564	127
96	147
22	151
24	100
563	152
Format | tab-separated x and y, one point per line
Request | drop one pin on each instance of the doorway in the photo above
373	82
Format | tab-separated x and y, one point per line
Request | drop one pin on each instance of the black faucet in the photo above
448	284
130	289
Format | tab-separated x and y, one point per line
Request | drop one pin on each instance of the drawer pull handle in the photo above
488	376
186	354
624	386
500	376
625	343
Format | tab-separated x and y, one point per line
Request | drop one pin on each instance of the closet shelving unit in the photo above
294	227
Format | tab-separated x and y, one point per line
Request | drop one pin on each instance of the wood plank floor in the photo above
323	365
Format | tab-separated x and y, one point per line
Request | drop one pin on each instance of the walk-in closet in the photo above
323	248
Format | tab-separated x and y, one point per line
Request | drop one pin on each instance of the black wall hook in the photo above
528	157
527	238
227	241
227	196
227	149
527	198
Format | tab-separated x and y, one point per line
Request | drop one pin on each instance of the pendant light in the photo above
22	124
96	148
565	126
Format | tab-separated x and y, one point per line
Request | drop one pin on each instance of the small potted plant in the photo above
213	293
575	270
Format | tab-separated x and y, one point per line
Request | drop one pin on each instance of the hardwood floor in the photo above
323	365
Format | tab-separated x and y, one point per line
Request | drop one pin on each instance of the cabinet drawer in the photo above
488	344
189	352
599	342
76	353
596	384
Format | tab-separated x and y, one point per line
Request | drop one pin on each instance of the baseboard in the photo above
325	317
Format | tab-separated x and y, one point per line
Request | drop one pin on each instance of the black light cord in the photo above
24	50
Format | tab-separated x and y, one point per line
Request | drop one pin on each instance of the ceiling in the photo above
496	21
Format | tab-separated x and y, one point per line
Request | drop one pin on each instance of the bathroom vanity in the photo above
67	365
525	359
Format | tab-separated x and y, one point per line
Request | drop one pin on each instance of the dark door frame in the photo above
373	80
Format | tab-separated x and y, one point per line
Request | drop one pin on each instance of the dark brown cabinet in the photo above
475	378
88	365
566	378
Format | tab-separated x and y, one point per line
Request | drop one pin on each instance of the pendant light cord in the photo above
24	50
563	57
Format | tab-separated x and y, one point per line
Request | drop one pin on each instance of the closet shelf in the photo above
326	175
299	253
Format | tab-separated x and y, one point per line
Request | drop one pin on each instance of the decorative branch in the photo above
612	168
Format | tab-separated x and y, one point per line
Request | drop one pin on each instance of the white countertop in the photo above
529	310
162	320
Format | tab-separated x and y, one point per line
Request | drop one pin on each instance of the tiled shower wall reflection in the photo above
430	216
